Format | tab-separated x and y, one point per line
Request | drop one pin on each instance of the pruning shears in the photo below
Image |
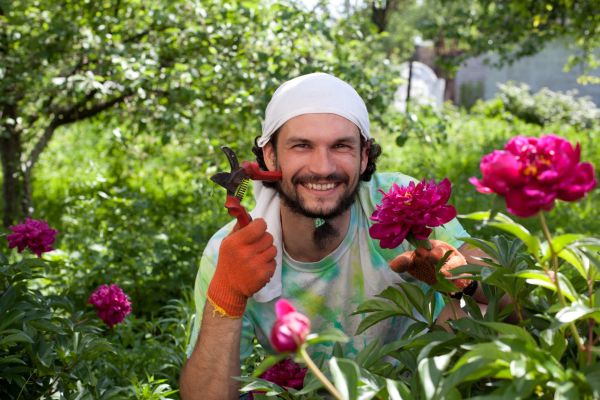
236	182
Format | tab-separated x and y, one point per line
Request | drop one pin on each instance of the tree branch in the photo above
46	106
75	113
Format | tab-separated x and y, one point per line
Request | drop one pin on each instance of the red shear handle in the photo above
237	210
255	173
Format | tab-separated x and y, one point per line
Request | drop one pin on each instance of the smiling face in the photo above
321	161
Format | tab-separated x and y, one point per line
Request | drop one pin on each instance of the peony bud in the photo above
290	328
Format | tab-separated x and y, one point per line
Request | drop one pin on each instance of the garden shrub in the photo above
542	108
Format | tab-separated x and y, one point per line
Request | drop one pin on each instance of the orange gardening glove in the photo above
421	262
246	263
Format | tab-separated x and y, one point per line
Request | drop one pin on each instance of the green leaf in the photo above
338	350
581	265
487	246
431	371
505	223
473	370
443	285
593	379
261	385
566	391
398	297
577	311
329	335
369	354
10	318
510	330
553	340
374	318
476	216
13	336
12	359
539	278
559	243
374	305
397	390
415	296
345	374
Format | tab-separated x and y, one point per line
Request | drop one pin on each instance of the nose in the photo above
322	162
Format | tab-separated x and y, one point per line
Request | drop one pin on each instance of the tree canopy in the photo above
205	68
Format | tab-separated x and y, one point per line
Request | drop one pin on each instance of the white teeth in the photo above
320	186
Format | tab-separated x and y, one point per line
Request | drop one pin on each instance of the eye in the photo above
300	146
342	146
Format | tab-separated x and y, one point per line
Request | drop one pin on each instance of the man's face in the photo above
321	161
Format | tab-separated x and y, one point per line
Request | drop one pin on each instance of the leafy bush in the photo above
47	345
52	344
542	108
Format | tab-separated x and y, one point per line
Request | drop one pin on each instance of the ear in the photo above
269	156
364	157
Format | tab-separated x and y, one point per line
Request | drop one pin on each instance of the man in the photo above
311	245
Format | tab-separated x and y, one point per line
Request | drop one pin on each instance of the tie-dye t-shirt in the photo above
330	290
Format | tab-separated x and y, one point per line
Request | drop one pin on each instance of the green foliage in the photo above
171	69
47	346
543	108
510	29
53	345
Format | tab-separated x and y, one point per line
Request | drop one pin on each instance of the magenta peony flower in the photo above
35	234
530	173
290	328
112	304
411	210
287	374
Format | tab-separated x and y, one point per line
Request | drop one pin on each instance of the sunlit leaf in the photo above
577	311
539	278
345	375
329	335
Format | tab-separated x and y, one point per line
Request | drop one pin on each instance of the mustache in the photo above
301	179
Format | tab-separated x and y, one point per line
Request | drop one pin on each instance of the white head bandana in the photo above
316	93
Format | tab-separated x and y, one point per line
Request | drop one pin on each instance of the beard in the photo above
296	203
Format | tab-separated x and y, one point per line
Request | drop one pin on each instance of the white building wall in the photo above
544	69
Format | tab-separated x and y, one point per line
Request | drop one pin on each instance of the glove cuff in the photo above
225	301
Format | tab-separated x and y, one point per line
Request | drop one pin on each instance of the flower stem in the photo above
554	278
320	376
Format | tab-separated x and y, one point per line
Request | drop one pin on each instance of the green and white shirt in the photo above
330	290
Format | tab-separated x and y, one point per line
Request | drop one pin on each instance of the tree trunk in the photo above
442	50
380	13
12	184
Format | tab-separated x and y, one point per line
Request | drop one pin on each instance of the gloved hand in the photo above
421	262
246	263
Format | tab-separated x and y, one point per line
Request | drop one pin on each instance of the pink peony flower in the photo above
411	210
35	234
531	173
112	304
290	328
287	374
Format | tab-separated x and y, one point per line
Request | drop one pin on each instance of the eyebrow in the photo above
343	139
